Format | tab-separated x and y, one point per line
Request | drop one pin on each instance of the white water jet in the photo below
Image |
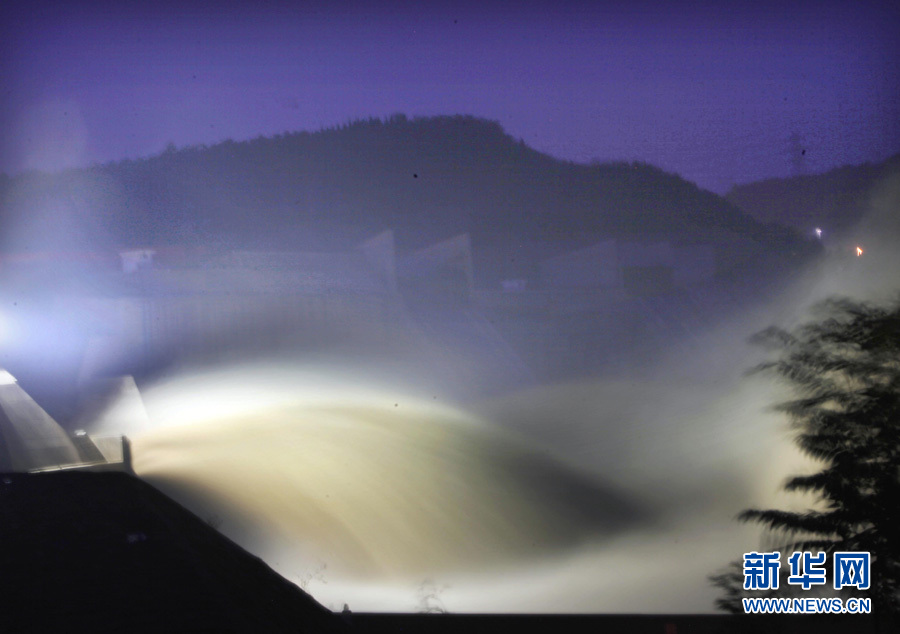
360	495
379	487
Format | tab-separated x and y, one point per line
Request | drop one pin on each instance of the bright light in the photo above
6	378
859	251
818	233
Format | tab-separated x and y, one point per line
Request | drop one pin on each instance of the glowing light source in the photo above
859	251
819	233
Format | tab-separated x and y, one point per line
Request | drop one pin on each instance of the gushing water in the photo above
360	493
377	486
594	496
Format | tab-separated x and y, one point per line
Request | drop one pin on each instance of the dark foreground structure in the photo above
106	552
608	624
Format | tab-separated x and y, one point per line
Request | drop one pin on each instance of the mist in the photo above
384	467
390	447
489	362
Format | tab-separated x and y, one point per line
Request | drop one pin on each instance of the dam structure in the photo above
31	441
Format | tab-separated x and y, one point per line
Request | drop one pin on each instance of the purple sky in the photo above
712	93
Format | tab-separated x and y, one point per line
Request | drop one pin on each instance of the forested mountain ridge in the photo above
427	178
834	201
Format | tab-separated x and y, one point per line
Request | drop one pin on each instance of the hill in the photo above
427	178
834	201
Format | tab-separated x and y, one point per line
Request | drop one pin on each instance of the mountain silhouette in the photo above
426	178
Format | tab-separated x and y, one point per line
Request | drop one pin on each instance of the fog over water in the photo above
604	494
369	353
385	497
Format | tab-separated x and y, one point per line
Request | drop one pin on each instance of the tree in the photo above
844	370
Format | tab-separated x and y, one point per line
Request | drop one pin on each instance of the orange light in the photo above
859	251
